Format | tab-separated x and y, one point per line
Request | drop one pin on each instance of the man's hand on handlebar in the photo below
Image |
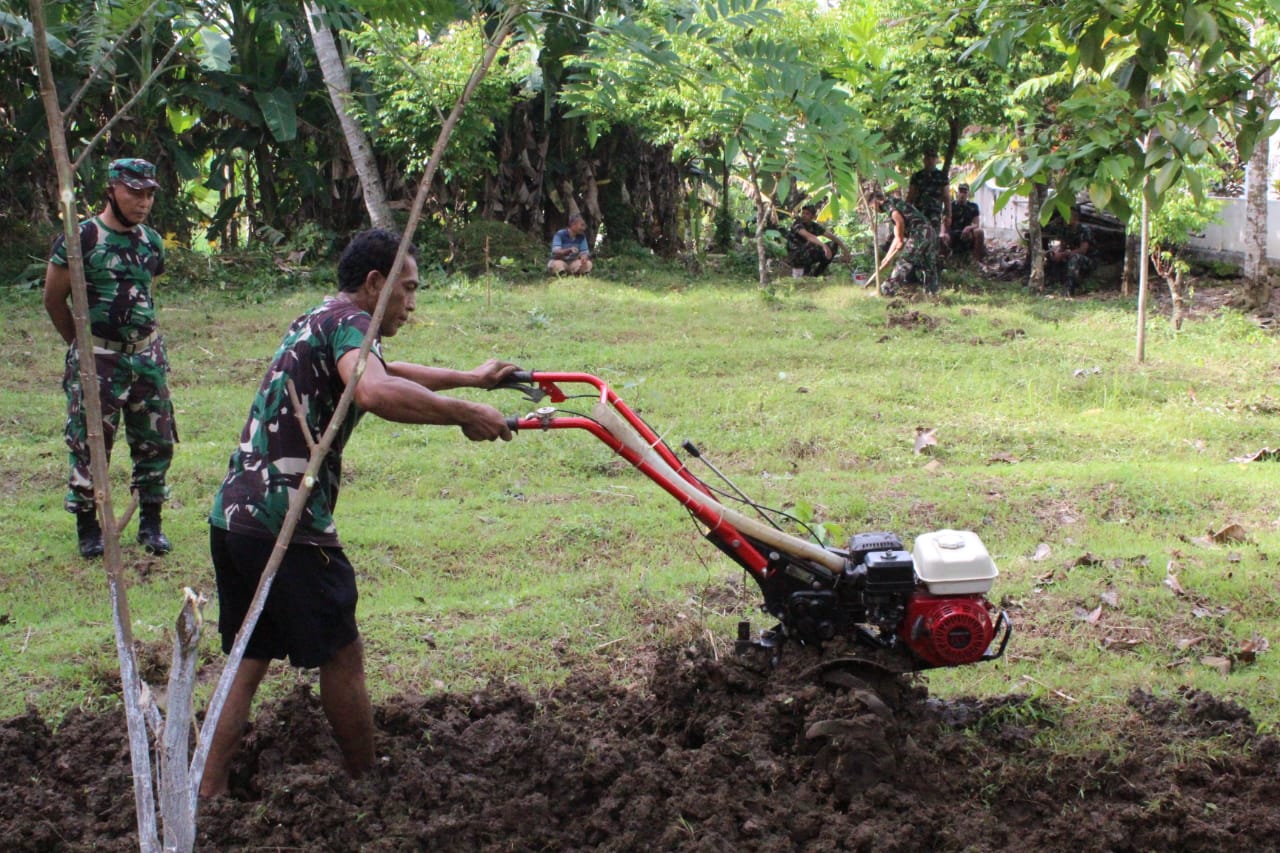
488	424
493	372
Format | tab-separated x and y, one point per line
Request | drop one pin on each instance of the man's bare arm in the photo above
396	398
57	295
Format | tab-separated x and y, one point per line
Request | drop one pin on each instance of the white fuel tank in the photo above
953	562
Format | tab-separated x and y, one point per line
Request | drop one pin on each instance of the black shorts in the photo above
310	612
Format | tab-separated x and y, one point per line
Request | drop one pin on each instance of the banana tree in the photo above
733	72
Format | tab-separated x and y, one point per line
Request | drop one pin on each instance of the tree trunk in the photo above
339	86
725	235
1178	294
1140	335
762	217
177	793
1257	281
268	203
1035	240
1132	258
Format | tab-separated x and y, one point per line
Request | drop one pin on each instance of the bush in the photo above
512	254
24	252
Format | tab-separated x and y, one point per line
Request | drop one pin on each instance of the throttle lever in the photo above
520	381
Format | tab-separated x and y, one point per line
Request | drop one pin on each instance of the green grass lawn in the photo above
1094	481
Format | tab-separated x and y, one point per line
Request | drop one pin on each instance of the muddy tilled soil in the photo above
712	755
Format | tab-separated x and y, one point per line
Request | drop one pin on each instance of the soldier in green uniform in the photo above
309	615
121	257
966	227
914	250
810	246
1073	256
929	192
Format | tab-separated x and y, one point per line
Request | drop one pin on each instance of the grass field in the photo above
1096	482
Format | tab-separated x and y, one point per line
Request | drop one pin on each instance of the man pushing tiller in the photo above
309	615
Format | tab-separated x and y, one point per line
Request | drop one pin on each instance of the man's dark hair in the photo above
368	251
809	208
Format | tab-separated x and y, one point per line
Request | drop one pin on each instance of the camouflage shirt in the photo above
795	241
118	268
1075	236
928	190
963	213
267	468
917	227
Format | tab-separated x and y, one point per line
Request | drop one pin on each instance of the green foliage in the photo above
418	81
927	85
482	246
738	84
1182	214
23	255
1150	90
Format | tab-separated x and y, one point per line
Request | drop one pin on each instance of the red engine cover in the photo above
947	630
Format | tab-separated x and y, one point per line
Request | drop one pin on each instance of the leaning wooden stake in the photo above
139	749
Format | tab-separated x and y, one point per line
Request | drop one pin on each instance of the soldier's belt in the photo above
126	348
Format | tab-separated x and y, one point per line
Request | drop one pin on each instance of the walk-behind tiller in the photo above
903	611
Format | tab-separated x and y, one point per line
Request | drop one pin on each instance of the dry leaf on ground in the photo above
1221	664
1231	533
924	438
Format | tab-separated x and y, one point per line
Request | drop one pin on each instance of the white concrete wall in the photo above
1226	239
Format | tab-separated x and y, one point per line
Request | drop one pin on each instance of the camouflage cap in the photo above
132	172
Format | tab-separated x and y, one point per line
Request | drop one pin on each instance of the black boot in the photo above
149	535
89	532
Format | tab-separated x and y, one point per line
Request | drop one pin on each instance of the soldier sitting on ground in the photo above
810	247
1073	257
966	230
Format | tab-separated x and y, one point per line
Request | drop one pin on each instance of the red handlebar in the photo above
661	472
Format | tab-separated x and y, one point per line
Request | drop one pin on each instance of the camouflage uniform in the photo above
929	188
1071	236
267	467
129	360
963	214
802	254
918	257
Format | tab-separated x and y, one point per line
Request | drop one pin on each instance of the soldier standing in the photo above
121	257
929	192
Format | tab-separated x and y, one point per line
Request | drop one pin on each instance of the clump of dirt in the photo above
713	755
898	316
